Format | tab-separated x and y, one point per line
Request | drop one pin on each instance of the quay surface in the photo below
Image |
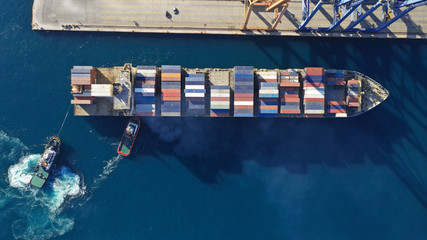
204	17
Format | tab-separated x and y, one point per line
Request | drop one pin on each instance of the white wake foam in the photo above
108	168
34	213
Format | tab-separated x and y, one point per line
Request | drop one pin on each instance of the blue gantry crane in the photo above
392	10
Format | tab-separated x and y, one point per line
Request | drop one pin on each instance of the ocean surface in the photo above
202	178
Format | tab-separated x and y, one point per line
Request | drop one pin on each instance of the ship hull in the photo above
46	162
128	139
242	91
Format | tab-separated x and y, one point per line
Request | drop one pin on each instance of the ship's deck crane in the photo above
269	5
344	8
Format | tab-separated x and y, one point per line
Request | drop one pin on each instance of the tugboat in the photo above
46	161
129	136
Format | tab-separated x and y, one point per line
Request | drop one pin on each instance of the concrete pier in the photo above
204	17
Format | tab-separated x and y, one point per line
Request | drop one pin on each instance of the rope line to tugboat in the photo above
65	118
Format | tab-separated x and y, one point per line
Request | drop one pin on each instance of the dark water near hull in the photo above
189	178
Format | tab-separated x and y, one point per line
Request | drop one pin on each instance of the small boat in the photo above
46	162
129	136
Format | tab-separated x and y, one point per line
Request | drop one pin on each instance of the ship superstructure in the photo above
242	91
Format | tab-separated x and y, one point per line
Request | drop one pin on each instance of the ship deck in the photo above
204	17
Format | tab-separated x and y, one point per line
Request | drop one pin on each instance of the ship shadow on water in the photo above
211	147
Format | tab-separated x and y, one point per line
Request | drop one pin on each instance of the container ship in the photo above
242	91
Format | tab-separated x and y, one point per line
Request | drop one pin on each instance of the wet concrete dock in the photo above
204	17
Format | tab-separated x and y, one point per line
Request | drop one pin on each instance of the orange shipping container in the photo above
336	103
171	98
165	90
171	79
314	70
307	84
290	111
171	94
314	100
336	111
290	99
176	75
268	107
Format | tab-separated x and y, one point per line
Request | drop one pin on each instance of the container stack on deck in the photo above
268	94
335	77
195	95
220	101
290	92
145	87
243	91
314	91
353	89
81	79
171	90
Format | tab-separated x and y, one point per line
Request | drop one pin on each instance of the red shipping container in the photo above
289	88
336	103
353	81
243	99
244	95
170	90
290	96
314	70
225	99
242	107
84	98
171	94
330	79
290	111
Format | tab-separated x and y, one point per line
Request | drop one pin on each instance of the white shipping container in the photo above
144	90
220	95
314	111
340	114
244	103
194	87
194	95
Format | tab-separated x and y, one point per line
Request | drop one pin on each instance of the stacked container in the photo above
81	79
268	94
171	90
314	90
145	89
353	92
243	91
335	77
290	92
336	107
195	94
220	101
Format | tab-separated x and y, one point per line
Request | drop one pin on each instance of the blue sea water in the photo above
191	178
